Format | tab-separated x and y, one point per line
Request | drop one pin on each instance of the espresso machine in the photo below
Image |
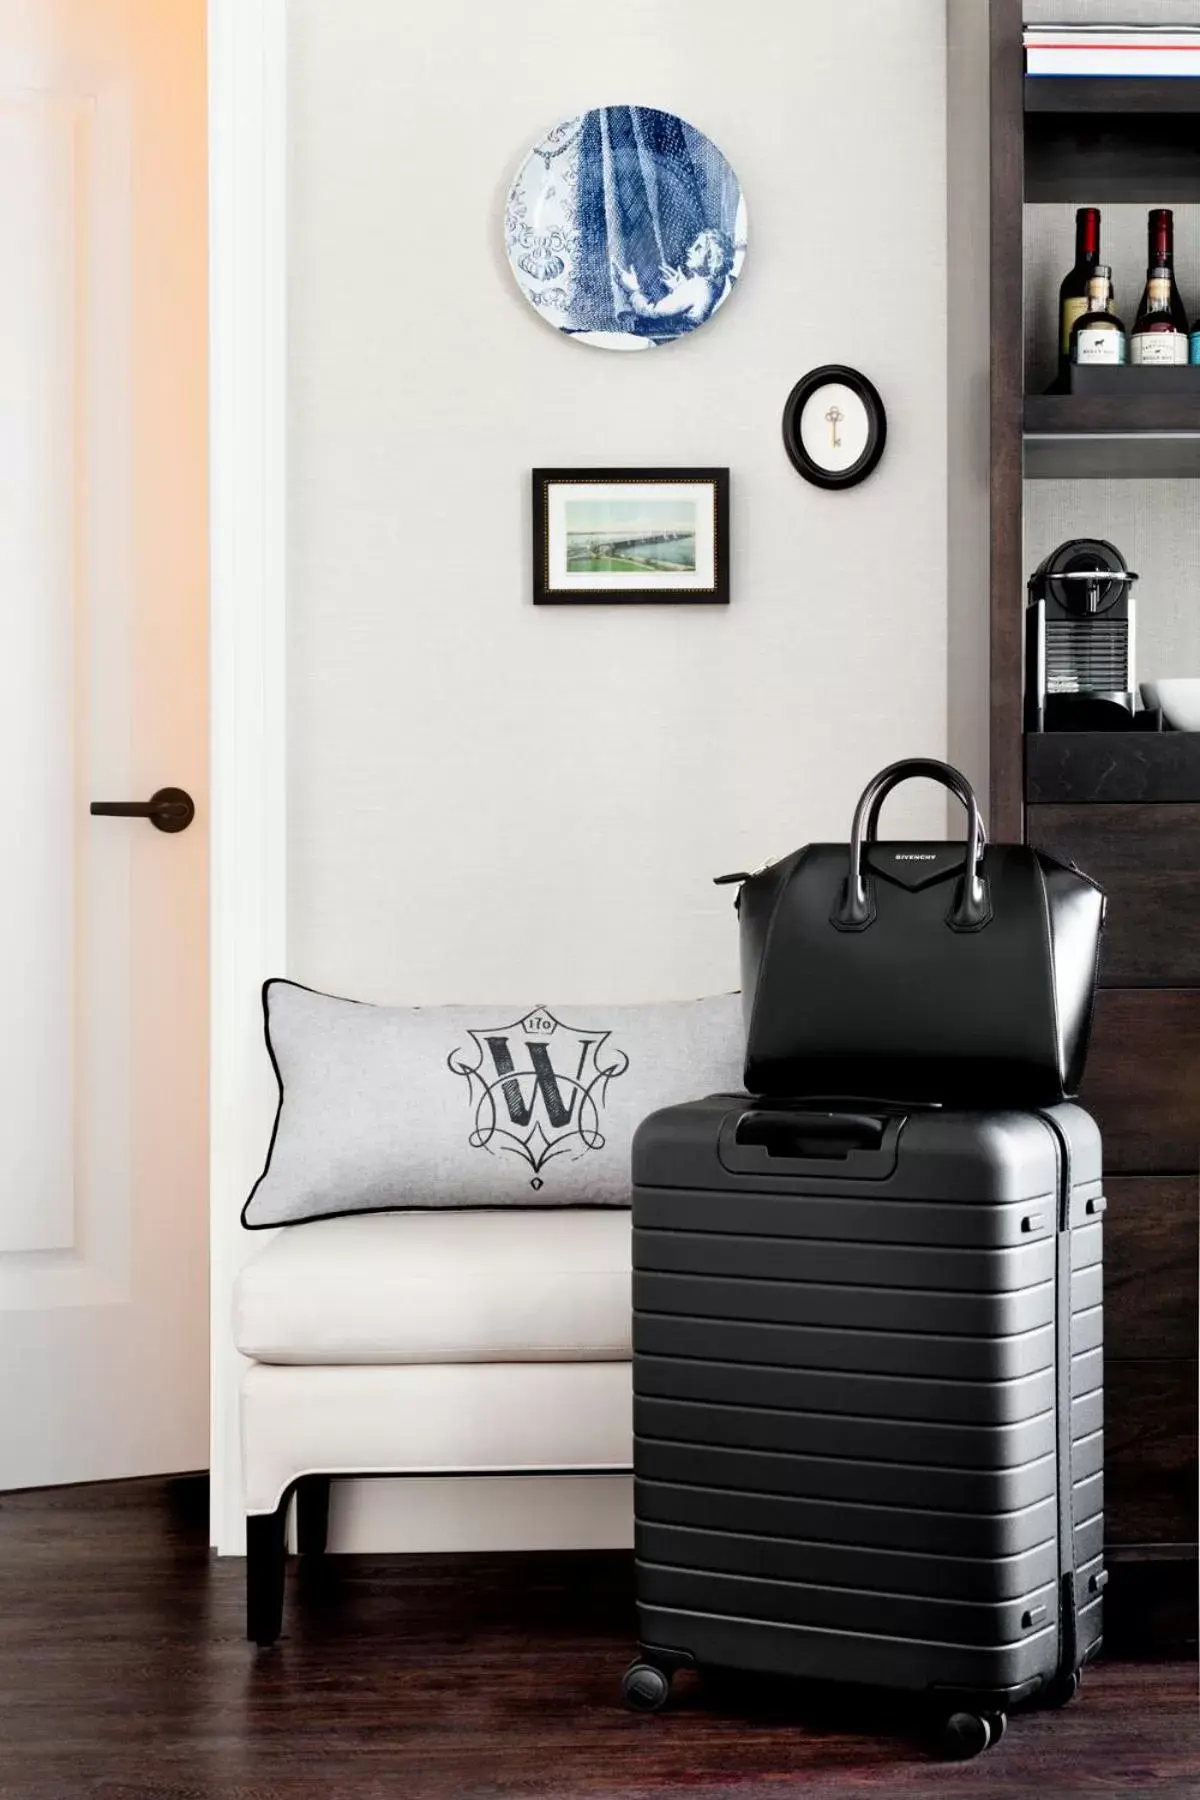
1079	641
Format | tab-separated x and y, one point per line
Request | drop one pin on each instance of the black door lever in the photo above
170	809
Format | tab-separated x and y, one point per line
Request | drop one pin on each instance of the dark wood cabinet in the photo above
1143	1079
1150	1452
1125	807
1147	860
1151	1247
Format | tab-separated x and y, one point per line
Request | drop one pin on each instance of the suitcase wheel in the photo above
645	1688
1061	1691
966	1734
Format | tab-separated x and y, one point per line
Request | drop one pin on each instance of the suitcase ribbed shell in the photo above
868	1398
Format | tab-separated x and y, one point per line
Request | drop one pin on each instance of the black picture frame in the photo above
546	593
876	434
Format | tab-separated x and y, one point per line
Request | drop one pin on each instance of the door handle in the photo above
170	809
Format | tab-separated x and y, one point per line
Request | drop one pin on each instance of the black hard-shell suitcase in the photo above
868	1400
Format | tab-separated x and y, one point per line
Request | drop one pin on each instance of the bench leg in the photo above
312	1515
266	1564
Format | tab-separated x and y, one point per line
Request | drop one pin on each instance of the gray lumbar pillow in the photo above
383	1108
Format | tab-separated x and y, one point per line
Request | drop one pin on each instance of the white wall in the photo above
489	801
968	402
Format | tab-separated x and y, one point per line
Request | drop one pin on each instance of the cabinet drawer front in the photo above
1150	1461
1152	1242
1143	1080
1147	860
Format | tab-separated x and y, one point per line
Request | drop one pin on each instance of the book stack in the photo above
1112	50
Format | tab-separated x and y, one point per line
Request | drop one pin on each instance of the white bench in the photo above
464	1343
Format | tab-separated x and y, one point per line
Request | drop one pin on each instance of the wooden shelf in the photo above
1157	95
1121	768
1093	413
1111	140
1100	436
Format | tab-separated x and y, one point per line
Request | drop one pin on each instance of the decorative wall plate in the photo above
625	227
834	426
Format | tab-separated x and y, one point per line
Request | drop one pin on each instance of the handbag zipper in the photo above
746	874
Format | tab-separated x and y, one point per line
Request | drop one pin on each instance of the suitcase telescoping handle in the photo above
970	910
851	1145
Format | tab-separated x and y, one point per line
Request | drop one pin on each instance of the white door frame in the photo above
247	122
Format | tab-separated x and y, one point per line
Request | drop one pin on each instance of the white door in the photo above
103	697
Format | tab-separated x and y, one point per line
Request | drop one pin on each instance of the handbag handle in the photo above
971	907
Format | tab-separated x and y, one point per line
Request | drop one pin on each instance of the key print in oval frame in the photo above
625	228
834	426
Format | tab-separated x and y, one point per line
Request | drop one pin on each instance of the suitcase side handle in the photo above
848	1146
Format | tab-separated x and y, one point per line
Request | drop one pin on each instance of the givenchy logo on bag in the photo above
914	866
538	1086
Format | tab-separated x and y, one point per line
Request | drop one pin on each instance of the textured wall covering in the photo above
488	800
1112	12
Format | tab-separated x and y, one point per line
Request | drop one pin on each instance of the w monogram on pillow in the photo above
539	1087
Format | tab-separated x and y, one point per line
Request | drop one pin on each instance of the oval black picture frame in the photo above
876	431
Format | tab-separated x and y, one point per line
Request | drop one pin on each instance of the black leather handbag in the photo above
955	973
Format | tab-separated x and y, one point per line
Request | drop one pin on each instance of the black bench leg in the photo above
312	1515
266	1563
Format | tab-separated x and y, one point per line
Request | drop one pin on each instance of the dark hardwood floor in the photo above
123	1673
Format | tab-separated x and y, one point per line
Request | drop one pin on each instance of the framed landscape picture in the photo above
630	536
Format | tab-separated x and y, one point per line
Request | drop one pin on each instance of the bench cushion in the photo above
441	1287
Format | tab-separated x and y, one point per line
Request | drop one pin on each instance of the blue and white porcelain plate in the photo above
626	227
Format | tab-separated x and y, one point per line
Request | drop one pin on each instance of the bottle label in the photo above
1157	347
1071	310
1196	347
1158	291
1099	347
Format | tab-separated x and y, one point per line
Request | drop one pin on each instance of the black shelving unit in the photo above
1127	139
1113	768
1142	436
1137	137
1126	807
1111	96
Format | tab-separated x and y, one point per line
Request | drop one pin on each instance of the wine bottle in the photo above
1160	254
1097	335
1156	337
1073	293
